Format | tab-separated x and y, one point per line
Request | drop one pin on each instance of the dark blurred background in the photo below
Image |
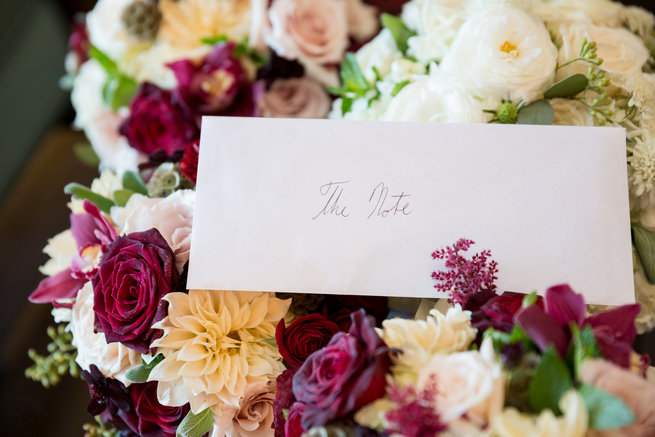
36	161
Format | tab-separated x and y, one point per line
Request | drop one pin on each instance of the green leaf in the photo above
140	373
606	411
118	91
529	300
215	40
346	105
105	61
132	181
82	192
122	196
270	341
352	76
567	87
583	346
399	30
399	86
85	153
539	112
196	425
519	335
551	380
644	242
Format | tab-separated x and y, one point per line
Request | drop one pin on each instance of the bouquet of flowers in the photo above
579	63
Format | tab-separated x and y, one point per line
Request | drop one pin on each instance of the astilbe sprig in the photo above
464	277
416	415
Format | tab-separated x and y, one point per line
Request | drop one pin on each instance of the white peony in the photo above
433	98
502	52
112	359
380	53
106	30
436	23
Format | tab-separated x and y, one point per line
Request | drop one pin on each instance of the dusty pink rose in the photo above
253	418
315	32
295	98
636	392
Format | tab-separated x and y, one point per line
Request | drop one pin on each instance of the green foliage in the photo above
60	360
82	192
121	196
583	346
551	380
606	411
99	429
567	87
241	49
507	113
399	30
529	299
539	112
141	372
85	153
644	242
132	181
354	84
398	87
119	88
196	425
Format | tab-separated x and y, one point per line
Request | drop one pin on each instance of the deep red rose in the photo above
293	426
153	419
303	337
135	273
189	161
156	124
217	85
284	398
343	376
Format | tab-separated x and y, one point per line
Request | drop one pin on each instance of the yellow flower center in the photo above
218	83
510	49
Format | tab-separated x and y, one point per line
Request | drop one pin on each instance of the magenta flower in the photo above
614	330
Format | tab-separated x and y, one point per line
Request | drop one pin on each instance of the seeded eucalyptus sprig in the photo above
60	360
99	429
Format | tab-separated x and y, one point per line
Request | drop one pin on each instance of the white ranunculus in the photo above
620	50
86	95
380	53
112	359
601	12
106	30
433	98
172	216
470	383
436	23
61	249
638	20
570	112
502	52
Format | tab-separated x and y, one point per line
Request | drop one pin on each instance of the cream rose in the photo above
312	31
436	23
362	19
620	50
172	216
113	359
571	113
106	30
502	52
601	12
253	418
295	98
433	98
470	383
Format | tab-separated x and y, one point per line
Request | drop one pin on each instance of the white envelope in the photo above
551	203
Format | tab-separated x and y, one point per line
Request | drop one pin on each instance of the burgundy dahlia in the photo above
153	419
156	123
135	273
284	398
303	337
343	376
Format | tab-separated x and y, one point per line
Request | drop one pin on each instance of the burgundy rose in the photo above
303	337
217	85
284	398
375	306
343	376
189	161
135	273
153	419
293	426
156	124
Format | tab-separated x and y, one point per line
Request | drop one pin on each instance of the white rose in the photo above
502	52
620	50
112	359
172	216
433	98
295	98
106	30
436	23
253	418
380	53
570	112
312	31
470	383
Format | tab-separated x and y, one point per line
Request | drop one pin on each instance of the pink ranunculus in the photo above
135	273
343	376
156	123
152	419
219	85
295	98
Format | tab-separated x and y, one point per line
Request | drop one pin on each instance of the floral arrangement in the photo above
579	63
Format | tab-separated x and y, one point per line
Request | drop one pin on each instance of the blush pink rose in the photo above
295	98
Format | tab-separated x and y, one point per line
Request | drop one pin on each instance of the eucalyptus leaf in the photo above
539	112
82	192
352	76
399	30
140	373
551	380
122	196
567	87
606	411
132	181
86	154
214	40
196	425
105	61
118	91
644	242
